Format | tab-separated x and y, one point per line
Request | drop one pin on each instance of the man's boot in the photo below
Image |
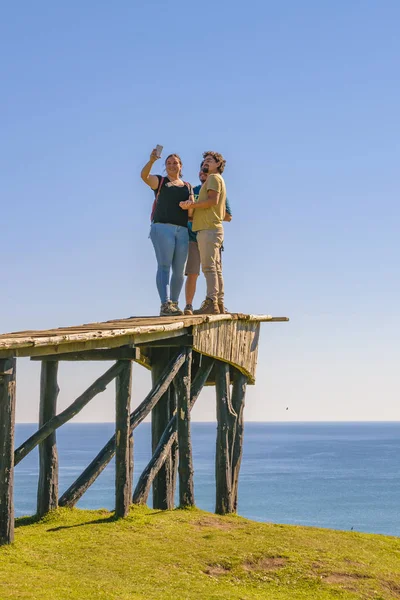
222	308
209	307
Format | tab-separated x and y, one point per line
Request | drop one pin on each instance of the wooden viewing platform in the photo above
184	354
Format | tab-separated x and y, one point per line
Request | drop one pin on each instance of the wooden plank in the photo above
103	342
47	493
71	411
234	342
185	470
123	460
86	336
99	463
119	326
7	427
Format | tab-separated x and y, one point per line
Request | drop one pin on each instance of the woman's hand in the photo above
154	156
187	204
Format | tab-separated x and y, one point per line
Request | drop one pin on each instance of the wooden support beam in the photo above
99	463
238	401
173	405
162	452
56	421
182	384
123	353
47	492
183	340
7	426
169	436
123	448
226	420
163	493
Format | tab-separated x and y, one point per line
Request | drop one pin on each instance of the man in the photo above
193	263
209	213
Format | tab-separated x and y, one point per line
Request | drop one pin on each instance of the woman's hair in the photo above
180	161
218	157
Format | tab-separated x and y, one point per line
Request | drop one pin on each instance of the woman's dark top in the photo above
167	209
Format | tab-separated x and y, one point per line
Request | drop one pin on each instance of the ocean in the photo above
334	475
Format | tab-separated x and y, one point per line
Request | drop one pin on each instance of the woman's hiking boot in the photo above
176	309
170	309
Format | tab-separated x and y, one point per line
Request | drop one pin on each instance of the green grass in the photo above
190	554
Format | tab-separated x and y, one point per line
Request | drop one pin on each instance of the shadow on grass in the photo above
23	521
109	519
31	520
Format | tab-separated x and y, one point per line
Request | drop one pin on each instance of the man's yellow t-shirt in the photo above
211	218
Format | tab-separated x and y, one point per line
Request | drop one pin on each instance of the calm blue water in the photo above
336	475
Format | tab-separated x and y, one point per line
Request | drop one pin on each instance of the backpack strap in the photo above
153	209
190	188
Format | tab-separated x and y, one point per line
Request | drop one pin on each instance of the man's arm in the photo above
213	194
212	200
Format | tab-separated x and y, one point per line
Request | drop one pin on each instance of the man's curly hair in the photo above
218	157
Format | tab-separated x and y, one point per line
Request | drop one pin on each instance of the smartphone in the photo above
159	149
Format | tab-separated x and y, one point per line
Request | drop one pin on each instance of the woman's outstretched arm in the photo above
150	180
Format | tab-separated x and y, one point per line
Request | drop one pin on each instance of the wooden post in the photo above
47	495
183	383
123	447
238	400
226	420
7	424
163	494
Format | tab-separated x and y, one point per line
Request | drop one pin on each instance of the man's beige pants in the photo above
210	242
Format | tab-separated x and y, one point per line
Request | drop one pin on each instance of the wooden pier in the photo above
183	354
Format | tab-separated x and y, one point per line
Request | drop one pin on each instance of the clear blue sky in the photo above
302	98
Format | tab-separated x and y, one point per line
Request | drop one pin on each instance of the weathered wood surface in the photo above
99	463
236	342
7	421
169	436
163	491
238	402
110	334
47	492
56	421
185	470
226	426
123	448
91	341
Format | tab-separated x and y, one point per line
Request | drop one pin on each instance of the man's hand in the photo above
187	204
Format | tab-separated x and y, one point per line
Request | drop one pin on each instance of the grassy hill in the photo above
190	554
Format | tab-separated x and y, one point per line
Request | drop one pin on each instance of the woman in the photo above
169	229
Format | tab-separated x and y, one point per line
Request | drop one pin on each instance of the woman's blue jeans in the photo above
171	244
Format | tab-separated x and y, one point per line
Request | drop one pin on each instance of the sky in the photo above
301	98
